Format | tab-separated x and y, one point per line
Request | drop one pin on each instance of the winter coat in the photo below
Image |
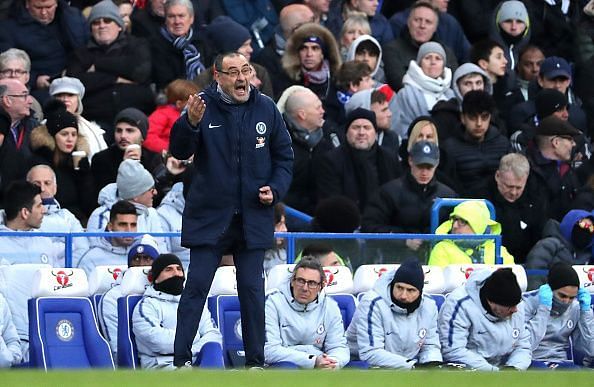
386	335
299	333
103	252
238	149
474	17
12	167
29	249
154	321
48	46
170	211
107	315
127	57
160	123
93	134
10	347
472	336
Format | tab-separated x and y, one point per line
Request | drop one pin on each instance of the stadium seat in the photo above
127	351
229	322
135	280
438	298
104	277
339	279
278	275
366	275
224	283
456	275
63	333
586	276
347	305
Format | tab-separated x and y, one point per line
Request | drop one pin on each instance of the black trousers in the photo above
204	261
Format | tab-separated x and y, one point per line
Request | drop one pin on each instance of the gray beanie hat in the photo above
68	85
108	10
512	10
431	47
133	180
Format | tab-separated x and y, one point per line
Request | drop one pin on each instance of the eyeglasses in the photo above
460	221
13	72
586	225
302	282
100	20
234	73
24	96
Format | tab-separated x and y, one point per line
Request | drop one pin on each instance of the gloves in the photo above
545	295
584	299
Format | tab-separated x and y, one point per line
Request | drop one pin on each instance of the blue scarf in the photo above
190	52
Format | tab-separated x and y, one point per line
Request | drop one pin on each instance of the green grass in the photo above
344	378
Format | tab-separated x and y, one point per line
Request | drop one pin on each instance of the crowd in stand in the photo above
389	105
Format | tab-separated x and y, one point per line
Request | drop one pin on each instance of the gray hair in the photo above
186	3
15	54
41	166
515	163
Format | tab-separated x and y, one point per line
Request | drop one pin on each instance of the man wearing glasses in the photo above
243	165
481	324
16	101
15	64
304	327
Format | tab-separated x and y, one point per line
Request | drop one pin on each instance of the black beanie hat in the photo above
57	117
502	288
162	261
361	113
548	101
562	274
410	272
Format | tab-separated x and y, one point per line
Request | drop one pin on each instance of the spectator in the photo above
420	28
15	64
354	26
529	61
481	324
319	8
427	81
568	241
170	211
49	31
404	205
154	320
367	49
301	302
178	51
291	17
11	162
146	22
510	27
126	8
551	163
557	313
470	217
114	67
449	30
381	332
323	253
71	91
352	77
143	252
136	185
304	116
24	211
277	255
56	218
380	28
112	250
475	17
359	167
474	156
131	127
162	119
16	101
10	350
520	210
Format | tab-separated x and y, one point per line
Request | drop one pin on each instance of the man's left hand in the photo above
265	195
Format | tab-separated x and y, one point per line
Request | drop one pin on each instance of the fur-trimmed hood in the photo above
42	142
290	59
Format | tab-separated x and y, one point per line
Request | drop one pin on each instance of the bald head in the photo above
292	16
305	108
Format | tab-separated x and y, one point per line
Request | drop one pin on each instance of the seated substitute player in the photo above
555	313
395	326
304	327
155	319
481	324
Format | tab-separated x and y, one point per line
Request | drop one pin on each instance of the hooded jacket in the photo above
102	252
107	315
148	218
447	252
170	211
550	332
10	347
377	73
385	335
511	51
464	70
232	164
472	336
154	321
299	333
30	248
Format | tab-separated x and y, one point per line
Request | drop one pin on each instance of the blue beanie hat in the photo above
410	272
226	34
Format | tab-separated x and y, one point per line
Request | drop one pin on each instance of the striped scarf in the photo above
190	52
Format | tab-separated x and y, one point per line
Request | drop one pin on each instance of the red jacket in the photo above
160	123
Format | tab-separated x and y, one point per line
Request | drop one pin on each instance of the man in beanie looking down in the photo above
143	252
155	318
557	312
481	324
395	325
